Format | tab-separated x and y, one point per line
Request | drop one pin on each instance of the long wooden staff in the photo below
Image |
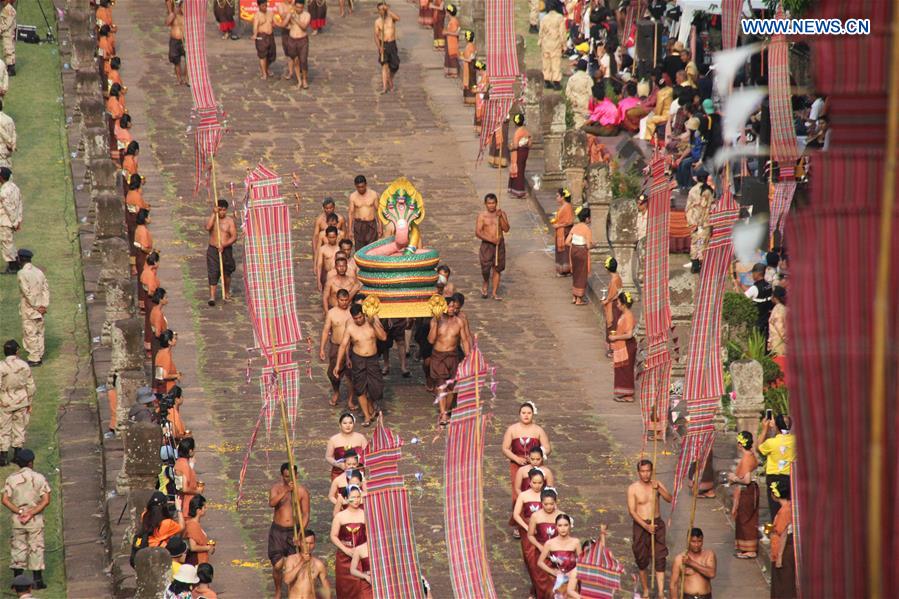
697	476
499	187
218	227
297	508
655	503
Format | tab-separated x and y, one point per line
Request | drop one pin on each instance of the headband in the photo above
350	488
532	404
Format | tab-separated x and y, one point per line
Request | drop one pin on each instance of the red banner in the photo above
248	8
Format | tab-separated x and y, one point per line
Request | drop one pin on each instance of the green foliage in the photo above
777	399
738	311
610	91
796	8
771	372
569	112
626	184
756	347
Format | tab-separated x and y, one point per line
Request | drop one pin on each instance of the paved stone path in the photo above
545	350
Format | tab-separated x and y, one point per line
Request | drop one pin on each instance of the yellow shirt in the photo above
780	452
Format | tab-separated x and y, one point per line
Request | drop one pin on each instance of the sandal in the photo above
366	423
622	400
516	534
739	555
406	374
444	419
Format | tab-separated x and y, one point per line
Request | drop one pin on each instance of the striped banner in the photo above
280	382
502	67
730	22
268	265
465	543
704	380
783	132
780	203
395	570
599	573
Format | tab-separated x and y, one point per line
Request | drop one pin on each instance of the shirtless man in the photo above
641	502
446	334
335	327
175	22
324	257
699	568
281	20
321	223
262	36
341	280
444	286
332	220
385	40
346	248
360	343
298	43
490	226
280	535
222	234
301	570
362	219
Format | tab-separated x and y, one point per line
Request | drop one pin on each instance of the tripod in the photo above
50	38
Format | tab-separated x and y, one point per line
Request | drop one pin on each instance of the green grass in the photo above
531	49
50	229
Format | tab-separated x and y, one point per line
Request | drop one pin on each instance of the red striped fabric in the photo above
655	380
704	380
395	570
466	548
633	12
502	67
780	204
783	132
730	22
834	246
280	382
268	265
599	573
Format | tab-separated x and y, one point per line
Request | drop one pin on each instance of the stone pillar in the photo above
598	194
95	143
127	382
84	54
110	220
127	340
533	95
552	114
137	503
118	295
153	567
680	288
749	403
479	26
140	468
87	82
623	238
104	180
574	162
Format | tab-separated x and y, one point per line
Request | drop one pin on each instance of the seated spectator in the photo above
158	522
659	116
689	155
646	101
604	119
182	583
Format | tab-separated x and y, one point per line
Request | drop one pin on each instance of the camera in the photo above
166	403
674	13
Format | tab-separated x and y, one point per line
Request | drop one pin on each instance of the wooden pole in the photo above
655	503
876	462
499	187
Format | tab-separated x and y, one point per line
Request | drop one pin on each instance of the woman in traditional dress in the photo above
518	441
777	330
542	528
438	12
318	15
451	43
480	102
579	242
562	223
130	164
338	492
360	567
536	459
745	510
342	442
469	76
783	560
560	555
498	149
347	533
624	349
527	503
519	148
609	302
425	14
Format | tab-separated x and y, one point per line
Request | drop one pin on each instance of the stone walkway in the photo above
545	350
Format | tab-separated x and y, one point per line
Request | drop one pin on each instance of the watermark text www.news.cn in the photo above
806	26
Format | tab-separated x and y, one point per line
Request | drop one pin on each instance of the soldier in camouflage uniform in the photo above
8	35
35	297
26	494
10	220
16	394
7	138
699	201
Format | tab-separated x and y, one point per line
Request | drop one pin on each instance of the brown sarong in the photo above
439	17
747	520
443	365
624	372
280	542
563	258
450	61
332	363
302	50
580	269
518	186
783	579
367	377
213	268
265	47
391	57
468	82
364	232
176	51
642	546
489	260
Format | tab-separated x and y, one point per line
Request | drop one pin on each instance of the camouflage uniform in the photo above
10	219
16	393
8	33
552	38
25	489
35	294
578	91
7	139
697	213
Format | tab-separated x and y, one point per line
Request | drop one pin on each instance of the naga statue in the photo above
397	269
